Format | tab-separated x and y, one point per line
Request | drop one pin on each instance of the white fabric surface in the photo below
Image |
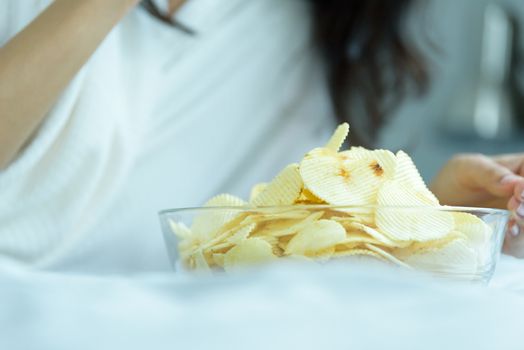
338	306
159	119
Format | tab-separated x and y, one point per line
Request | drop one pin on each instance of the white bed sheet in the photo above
339	306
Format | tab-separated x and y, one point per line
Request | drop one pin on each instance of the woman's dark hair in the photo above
370	65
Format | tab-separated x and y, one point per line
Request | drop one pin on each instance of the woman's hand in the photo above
481	181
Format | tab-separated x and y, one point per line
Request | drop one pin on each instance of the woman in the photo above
108	113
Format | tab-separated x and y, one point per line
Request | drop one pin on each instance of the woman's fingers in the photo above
514	162
514	240
513	204
486	174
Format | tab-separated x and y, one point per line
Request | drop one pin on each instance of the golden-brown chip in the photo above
343	183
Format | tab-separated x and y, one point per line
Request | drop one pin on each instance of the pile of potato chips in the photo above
336	204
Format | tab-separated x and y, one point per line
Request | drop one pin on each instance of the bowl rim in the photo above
491	211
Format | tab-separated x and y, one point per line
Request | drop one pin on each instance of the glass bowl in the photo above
469	251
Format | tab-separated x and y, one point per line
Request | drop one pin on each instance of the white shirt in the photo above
160	119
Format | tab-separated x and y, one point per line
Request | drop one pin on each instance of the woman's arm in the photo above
39	62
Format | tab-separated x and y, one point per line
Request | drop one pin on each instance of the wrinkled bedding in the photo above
340	305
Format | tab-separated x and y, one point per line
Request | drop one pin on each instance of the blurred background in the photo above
476	53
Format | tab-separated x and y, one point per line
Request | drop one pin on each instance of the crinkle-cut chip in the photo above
349	183
454	258
338	138
409	224
225	232
386	158
179	229
407	173
283	190
209	222
241	234
476	230
478	234
386	255
355	153
252	251
256	190
218	259
316	237
279	228
379	236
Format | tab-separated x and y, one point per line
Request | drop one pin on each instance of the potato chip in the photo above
285	188
338	138
226	231
283	227
402	224
377	205
252	251
241	234
386	159
218	259
355	153
379	236
358	237
367	219
316	237
322	255
256	190
476	230
407	173
454	258
200	262
306	197
418	247
386	255
356	252
276	213
478	234
343	183
206	225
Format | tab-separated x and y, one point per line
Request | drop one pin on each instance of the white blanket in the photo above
340	306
